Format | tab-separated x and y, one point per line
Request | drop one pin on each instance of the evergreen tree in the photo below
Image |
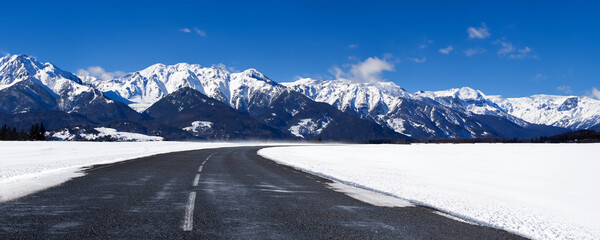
4	132
42	133
14	135
31	132
23	136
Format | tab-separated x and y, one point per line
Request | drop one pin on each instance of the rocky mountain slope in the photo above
208	118
27	85
249	92
461	114
572	112
189	101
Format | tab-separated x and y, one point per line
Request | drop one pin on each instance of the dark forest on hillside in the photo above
36	132
579	136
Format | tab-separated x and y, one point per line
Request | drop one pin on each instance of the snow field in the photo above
541	191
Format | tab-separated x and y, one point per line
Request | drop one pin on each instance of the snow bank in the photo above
541	191
27	167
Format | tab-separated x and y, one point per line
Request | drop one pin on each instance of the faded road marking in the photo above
196	180
188	221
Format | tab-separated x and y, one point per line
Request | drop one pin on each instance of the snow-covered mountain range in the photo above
143	88
27	85
264	101
389	105
306	108
562	111
456	113
572	112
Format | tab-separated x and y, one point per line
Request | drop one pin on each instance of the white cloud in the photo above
99	73
508	50
505	47
479	33
196	30
419	60
565	89
202	33
424	45
351	46
446	50
595	93
474	51
368	71
522	54
539	76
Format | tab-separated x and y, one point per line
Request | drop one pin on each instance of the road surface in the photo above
226	193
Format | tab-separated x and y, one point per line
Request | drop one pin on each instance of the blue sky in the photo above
509	48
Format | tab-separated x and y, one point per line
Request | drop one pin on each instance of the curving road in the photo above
226	193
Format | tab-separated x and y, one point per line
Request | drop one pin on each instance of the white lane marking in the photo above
202	165
207	158
196	180
188	221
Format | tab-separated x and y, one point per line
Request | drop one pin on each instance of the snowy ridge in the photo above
66	87
390	105
17	68
143	88
346	95
469	100
562	111
454	113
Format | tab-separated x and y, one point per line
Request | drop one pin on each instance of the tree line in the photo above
36	132
579	136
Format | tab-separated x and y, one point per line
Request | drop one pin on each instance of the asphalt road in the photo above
227	193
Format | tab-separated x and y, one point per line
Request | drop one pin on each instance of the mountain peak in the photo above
253	73
464	93
469	93
21	67
16	57
21	60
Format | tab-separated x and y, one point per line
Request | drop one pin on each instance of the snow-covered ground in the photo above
198	127
27	167
103	134
541	191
